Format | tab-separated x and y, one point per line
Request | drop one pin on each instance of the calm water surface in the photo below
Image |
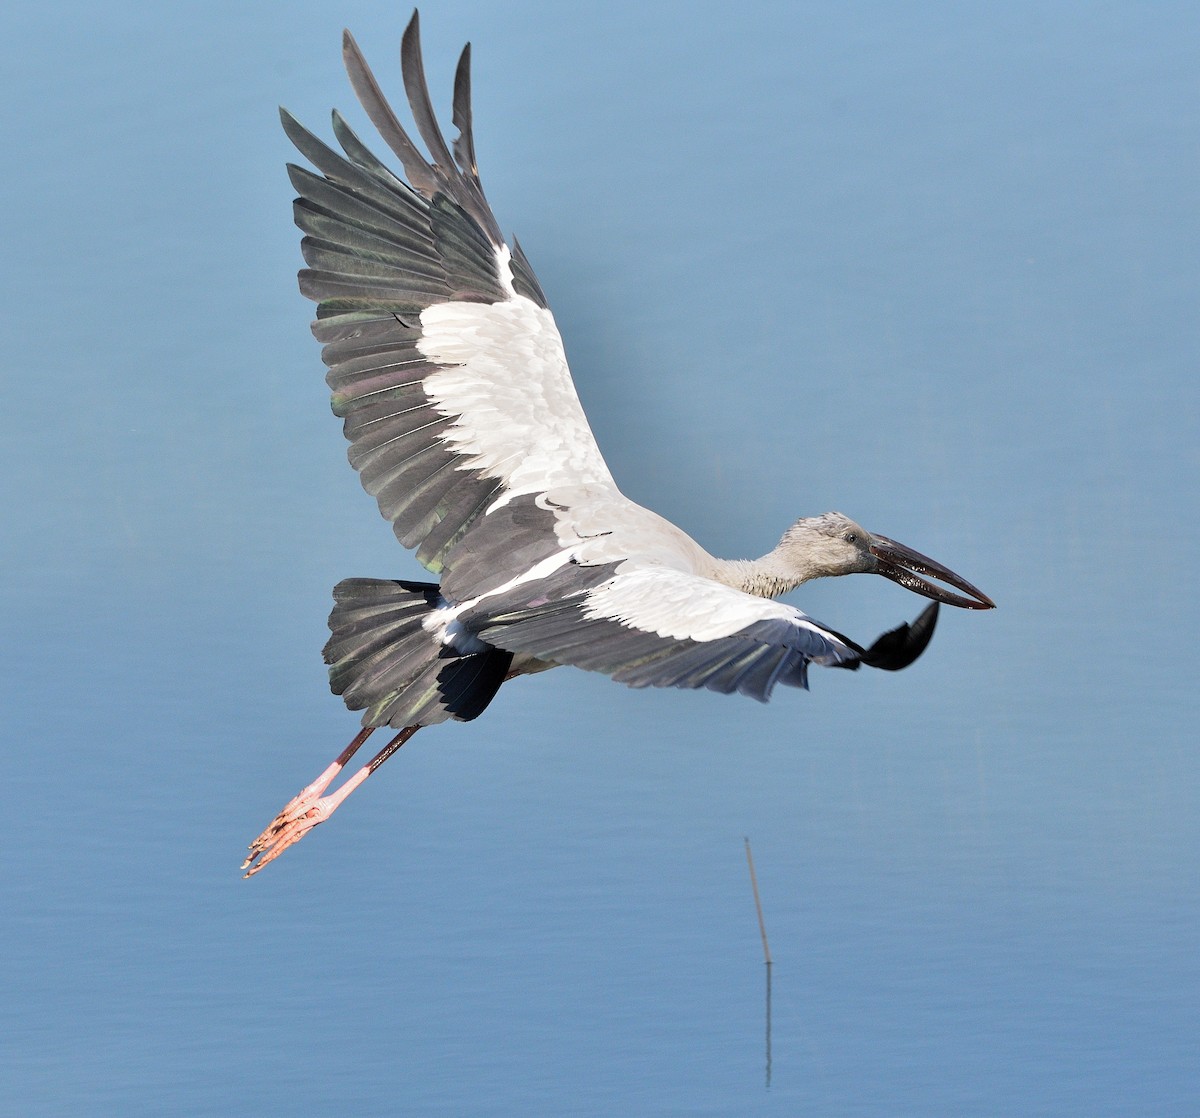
937	269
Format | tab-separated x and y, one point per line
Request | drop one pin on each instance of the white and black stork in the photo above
463	422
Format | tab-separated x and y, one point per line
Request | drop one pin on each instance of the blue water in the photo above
933	266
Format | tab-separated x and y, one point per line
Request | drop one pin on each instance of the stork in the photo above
447	367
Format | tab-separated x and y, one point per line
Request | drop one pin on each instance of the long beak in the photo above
905	566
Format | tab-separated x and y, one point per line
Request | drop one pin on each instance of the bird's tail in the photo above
384	662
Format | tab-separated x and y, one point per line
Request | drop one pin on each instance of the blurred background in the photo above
934	266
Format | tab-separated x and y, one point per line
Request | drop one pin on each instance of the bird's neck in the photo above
767	577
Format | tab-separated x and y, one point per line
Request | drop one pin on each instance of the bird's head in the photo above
833	544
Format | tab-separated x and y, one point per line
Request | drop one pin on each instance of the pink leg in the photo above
301	814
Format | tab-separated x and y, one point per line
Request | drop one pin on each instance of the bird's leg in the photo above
301	814
301	804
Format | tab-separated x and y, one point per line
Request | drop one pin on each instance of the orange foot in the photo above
298	817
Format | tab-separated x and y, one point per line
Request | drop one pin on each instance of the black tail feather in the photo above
383	661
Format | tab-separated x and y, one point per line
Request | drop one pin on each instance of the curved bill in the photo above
905	566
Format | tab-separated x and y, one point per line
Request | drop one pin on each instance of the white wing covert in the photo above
654	626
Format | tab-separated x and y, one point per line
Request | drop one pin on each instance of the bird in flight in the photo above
449	373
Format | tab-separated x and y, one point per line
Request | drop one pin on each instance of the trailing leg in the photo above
310	808
384	661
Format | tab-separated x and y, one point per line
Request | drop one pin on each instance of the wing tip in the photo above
902	646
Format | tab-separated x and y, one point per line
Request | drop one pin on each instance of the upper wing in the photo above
443	358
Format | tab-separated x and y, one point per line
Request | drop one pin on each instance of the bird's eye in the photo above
851	537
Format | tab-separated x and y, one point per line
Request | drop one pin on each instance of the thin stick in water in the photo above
762	927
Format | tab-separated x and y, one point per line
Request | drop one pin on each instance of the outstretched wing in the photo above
444	361
660	627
